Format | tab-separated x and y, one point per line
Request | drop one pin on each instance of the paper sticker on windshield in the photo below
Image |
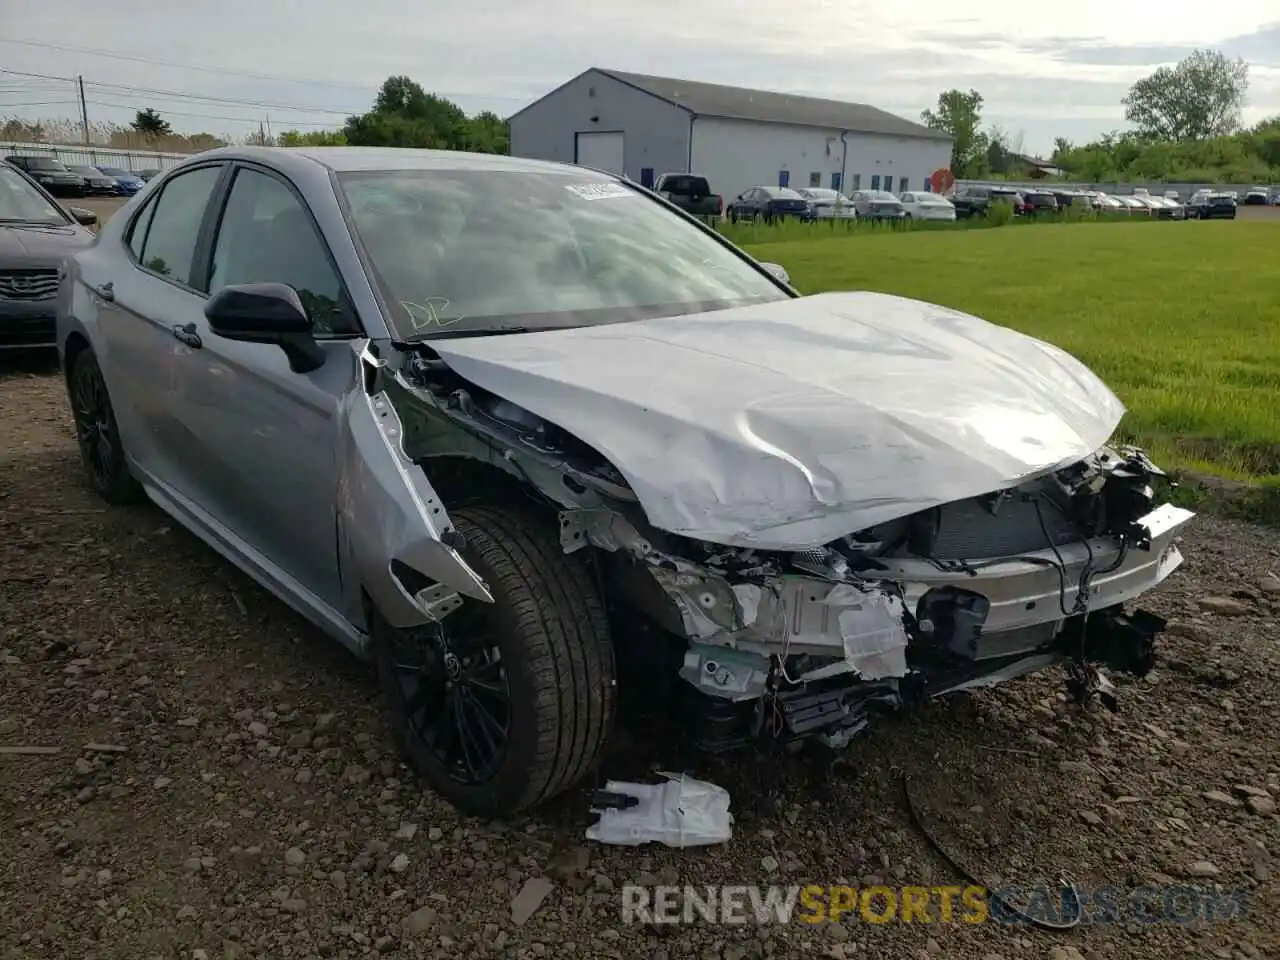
600	191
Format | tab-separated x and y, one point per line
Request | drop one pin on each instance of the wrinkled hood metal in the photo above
786	425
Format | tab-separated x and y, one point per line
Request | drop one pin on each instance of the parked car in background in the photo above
36	235
920	205
1134	206
97	183
587	450
1039	202
1257	196
690	192
971	201
51	175
827	204
769	204
878	205
127	184
148	173
1219	205
1166	209
1173	195
1106	203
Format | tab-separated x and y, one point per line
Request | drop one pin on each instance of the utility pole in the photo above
84	111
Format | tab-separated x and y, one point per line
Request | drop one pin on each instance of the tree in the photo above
960	115
1199	98
151	124
312	138
405	115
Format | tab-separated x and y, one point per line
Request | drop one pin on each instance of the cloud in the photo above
1039	76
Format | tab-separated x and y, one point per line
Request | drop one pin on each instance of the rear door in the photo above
142	294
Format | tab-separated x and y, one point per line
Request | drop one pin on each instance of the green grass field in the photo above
1181	319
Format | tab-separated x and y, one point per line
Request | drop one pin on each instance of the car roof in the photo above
354	159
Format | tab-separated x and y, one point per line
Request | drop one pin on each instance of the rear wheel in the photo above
504	705
97	434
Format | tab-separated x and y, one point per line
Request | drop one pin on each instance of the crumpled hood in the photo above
786	425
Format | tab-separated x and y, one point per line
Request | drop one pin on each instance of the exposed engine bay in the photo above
796	644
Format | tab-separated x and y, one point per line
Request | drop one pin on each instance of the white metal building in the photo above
644	126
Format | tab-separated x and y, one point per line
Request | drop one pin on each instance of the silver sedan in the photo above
536	443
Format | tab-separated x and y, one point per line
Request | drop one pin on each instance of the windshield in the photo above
21	202
459	251
880	195
686	185
86	171
115	172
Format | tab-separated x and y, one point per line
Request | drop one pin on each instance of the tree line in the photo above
1186	127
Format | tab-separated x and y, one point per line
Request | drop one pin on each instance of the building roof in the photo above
740	103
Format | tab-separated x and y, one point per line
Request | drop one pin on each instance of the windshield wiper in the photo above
482	332
33	223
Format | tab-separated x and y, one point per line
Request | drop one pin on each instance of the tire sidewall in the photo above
119	486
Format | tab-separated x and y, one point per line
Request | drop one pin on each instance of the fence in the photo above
91	155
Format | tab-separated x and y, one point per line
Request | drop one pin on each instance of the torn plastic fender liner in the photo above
389	512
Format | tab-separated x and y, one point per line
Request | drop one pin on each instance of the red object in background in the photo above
942	180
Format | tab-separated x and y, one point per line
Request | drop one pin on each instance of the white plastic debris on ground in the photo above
682	812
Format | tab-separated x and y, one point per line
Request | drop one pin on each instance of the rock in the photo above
434	833
162	783
9	725
294	905
1270	584
1091	818
1247	791
294	857
1262	806
400	863
529	899
192	865
1224	606
407	831
421	920
932	946
1220	798
325	722
258	729
299	741
1203	868
770	864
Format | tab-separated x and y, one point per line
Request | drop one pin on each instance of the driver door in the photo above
267	464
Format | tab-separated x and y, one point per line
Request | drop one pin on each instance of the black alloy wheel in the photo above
98	434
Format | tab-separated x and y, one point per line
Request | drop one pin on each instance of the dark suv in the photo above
52	175
1039	202
973	201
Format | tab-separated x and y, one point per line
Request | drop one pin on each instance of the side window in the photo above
267	235
138	234
170	242
857	181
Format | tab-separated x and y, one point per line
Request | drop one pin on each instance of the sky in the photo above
225	67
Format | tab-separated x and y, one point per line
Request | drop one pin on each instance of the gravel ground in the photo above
225	785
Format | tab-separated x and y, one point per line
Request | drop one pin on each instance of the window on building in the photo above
875	181
888	183
646	177
784	178
902	184
835	180
815	178
857	181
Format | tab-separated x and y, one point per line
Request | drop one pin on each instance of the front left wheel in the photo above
501	706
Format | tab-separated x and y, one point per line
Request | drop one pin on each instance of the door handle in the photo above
107	291
186	333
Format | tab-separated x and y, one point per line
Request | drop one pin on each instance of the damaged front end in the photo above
784	645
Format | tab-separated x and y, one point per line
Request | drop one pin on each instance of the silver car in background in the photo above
827	204
532	441
878	205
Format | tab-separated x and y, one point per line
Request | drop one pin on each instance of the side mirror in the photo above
86	218
266	313
777	272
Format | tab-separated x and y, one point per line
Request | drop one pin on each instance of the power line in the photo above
158	93
209	116
229	71
35	103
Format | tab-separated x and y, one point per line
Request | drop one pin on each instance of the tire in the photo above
102	451
556	659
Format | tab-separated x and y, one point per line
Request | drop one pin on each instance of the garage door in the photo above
604	151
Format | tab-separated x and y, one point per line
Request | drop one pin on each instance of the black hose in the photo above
1067	885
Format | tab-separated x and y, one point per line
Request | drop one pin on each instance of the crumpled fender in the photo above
388	511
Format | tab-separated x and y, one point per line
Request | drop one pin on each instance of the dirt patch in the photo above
243	799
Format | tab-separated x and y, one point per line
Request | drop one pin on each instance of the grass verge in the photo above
1182	320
